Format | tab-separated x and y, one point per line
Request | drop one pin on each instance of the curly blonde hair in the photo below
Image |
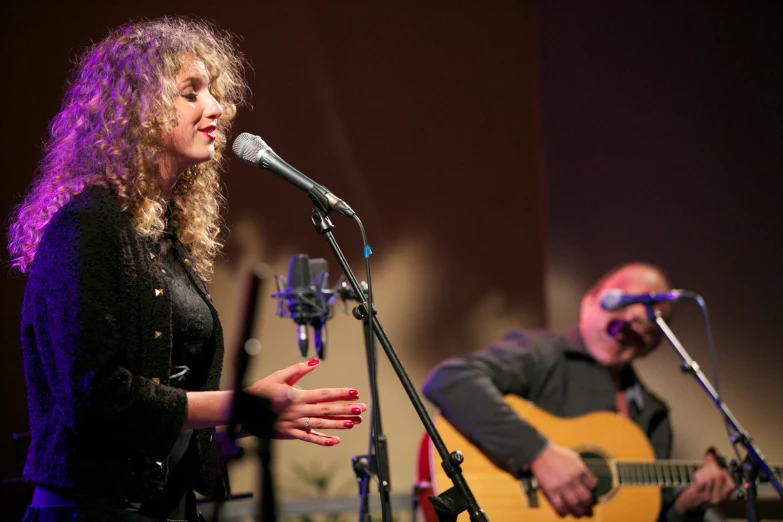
116	113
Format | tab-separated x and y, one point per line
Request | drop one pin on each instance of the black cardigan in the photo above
96	341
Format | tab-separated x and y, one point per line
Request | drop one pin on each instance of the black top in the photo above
191	323
191	353
557	374
96	342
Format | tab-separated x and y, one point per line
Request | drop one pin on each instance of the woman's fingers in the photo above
315	423
327	395
356	419
329	409
321	439
313	436
293	373
307	428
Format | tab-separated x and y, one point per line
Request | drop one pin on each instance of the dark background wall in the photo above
662	141
422	116
501	156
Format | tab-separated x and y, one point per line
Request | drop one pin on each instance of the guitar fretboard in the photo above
663	474
667	473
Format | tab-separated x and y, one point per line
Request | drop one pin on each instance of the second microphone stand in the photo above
456	499
754	462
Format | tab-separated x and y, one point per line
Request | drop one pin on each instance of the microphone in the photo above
253	150
305	297
346	292
614	299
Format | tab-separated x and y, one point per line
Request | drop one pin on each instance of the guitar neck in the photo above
663	473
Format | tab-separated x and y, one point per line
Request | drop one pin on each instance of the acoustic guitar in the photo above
614	449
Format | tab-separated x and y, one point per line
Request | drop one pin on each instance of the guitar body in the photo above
500	495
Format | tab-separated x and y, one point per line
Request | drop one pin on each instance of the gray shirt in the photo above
557	374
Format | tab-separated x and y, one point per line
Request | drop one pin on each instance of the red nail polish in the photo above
348	424
329	442
313	362
353	393
356	410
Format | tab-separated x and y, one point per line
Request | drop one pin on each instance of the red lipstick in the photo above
209	130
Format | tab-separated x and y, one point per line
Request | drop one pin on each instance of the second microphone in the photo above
305	297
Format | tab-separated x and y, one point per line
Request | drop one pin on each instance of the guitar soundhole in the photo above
600	468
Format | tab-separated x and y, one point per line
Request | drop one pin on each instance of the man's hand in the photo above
565	480
711	484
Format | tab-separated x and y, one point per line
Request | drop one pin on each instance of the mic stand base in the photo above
459	497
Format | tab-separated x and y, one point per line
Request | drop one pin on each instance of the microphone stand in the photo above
243	406
376	462
754	460
458	498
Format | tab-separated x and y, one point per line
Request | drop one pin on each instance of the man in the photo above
585	370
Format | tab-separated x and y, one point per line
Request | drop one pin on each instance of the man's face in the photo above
638	334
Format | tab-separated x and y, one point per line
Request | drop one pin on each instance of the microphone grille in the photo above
299	272
248	147
611	300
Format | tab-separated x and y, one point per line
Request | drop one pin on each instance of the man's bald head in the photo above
643	335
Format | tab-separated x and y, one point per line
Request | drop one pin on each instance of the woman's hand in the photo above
302	412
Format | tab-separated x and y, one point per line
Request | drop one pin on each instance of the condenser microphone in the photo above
615	299
346	292
253	150
303	297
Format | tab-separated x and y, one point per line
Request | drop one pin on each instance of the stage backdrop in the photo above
662	141
501	157
421	116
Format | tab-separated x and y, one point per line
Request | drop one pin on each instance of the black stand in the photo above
746	475
754	460
458	498
376	462
246	406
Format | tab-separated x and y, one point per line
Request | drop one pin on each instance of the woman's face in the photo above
192	141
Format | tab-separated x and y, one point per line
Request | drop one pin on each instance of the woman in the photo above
123	349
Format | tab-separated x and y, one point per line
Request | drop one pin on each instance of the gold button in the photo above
158	292
158	334
152	256
156	380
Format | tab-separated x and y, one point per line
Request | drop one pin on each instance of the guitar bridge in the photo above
529	486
